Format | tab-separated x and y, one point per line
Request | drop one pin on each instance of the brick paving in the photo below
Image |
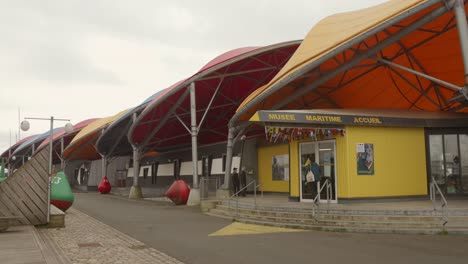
86	240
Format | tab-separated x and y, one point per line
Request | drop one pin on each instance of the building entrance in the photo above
448	166
318	156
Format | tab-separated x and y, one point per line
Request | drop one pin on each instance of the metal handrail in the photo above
316	200
237	196
205	186
434	188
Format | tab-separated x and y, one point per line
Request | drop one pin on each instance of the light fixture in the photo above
25	125
68	128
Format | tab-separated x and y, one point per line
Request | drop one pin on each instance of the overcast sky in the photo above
85	59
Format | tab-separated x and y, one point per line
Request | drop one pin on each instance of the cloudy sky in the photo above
83	59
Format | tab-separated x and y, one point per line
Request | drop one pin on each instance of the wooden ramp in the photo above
24	194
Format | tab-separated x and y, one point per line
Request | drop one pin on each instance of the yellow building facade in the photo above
365	160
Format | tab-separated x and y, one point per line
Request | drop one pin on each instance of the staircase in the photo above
338	219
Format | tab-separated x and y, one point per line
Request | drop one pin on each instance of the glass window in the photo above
437	160
464	163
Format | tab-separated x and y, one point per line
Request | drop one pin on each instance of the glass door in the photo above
449	162
327	167
322	153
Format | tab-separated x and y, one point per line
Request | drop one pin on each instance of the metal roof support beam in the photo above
233	135
194	196
119	138
182	122
163	121
460	16
224	75
412	85
411	57
441	82
215	95
193	121
366	54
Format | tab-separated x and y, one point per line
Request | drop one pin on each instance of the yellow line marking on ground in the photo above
237	228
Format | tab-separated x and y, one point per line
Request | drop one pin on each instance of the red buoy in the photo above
104	186
178	192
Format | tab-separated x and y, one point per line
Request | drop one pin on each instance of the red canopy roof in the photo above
236	73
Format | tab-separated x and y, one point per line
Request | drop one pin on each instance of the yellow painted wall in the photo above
400	163
265	156
294	169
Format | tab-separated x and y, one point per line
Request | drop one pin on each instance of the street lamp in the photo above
68	128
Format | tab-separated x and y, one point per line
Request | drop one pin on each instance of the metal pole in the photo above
104	166
50	166
193	114
62	161
9	162
459	9
230	144
441	82
136	166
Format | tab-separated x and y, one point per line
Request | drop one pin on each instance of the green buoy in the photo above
61	194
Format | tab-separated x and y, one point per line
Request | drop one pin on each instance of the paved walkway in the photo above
86	240
192	237
26	244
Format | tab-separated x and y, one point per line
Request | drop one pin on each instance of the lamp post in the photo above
68	129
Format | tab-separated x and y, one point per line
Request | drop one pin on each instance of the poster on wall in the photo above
365	159
280	168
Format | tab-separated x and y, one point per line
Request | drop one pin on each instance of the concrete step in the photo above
418	230
332	217
384	230
337	223
332	209
324	215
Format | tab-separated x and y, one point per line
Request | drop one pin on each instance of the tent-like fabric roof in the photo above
82	146
5	154
114	140
27	147
348	61
220	86
67	138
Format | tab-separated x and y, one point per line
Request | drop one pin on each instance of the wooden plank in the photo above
43	174
28	202
13	208
43	159
26	179
19	204
31	172
4	211
29	197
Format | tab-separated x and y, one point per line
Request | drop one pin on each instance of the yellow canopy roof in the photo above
81	147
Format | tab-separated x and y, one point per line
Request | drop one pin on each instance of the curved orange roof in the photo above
344	62
82	145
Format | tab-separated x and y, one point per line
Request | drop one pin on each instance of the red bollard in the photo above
104	186
178	192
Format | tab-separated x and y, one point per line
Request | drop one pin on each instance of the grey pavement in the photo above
86	240
182	232
26	244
